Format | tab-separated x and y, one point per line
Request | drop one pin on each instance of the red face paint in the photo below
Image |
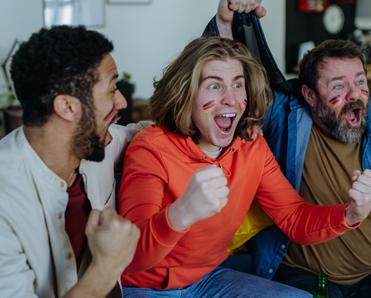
334	100
364	92
209	105
243	103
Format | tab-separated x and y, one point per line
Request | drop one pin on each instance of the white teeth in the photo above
232	115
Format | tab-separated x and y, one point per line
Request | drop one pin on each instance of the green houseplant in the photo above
12	111
9	105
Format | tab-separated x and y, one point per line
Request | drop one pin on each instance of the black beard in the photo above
335	126
86	142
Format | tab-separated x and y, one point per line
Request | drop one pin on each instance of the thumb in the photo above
106	216
93	221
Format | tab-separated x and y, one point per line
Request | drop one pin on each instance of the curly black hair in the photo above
59	60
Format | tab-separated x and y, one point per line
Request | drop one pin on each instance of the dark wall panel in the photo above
302	27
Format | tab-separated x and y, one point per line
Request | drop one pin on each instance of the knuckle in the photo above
126	225
116	223
355	184
108	211
226	191
352	194
204	189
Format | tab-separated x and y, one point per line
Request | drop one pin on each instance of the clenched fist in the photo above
206	195
112	240
226	9
360	194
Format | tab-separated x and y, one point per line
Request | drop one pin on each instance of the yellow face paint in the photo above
209	105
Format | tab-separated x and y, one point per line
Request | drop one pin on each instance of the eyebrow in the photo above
113	79
342	77
115	76
220	79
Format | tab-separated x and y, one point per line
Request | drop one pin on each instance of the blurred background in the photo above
149	34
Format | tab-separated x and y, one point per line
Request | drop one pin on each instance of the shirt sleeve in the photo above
211	28
142	201
122	135
302	222
16	277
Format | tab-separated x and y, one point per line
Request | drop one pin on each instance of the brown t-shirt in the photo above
326	179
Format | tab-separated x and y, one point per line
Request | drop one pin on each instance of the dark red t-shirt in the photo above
76	217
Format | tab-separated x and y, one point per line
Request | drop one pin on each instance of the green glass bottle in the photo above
321	287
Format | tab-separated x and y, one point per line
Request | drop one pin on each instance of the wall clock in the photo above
333	19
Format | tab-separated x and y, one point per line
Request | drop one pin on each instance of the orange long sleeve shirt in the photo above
157	169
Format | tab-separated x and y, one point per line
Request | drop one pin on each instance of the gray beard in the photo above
337	127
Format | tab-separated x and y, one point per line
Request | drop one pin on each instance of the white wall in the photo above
274	28
147	37
18	19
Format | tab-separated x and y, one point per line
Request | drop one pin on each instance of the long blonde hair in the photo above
175	92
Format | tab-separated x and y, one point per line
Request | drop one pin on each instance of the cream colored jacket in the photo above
36	256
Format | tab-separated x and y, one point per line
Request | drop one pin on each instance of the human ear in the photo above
67	107
309	95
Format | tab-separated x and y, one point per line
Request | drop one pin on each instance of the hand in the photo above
360	194
206	195
112	241
226	8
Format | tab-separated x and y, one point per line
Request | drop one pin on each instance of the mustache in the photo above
358	104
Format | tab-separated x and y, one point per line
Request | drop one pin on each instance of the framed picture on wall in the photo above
130	2
74	12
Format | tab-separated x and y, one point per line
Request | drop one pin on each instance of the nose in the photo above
120	101
354	93
229	97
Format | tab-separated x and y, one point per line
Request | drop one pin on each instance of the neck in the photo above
213	153
53	145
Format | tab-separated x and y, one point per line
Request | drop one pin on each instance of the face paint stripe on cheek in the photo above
209	105
364	92
243	103
334	100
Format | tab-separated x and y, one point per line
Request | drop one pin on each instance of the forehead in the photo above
340	67
222	68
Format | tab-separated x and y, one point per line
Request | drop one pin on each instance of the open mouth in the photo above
115	119
225	121
354	117
112	117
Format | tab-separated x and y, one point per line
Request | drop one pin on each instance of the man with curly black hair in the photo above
59	235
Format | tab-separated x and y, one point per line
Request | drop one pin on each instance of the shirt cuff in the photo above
338	220
163	231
